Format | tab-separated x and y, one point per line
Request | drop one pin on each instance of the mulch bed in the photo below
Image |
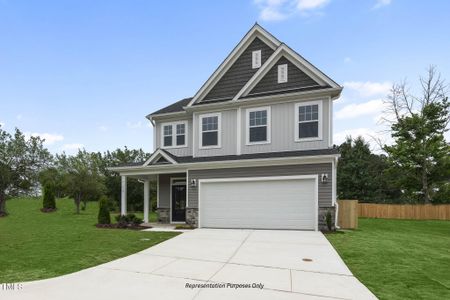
48	210
115	226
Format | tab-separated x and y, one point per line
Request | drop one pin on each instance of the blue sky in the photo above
85	73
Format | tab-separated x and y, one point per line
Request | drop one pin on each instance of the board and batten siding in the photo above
283	130
185	151
325	189
228	135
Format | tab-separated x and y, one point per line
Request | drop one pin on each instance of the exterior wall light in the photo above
193	183
324	178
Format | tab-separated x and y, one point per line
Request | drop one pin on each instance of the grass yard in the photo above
399	259
36	245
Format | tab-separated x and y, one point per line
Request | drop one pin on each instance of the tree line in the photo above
415	168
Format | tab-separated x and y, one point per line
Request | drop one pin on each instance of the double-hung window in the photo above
210	131
174	135
308	117
258	125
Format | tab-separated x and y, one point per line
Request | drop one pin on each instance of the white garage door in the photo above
263	203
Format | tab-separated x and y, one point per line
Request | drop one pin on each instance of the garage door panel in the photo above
265	204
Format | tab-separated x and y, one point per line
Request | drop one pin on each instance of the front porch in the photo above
171	197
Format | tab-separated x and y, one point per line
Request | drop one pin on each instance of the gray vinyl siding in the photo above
296	79
185	151
325	189
239	73
283	130
164	189
228	135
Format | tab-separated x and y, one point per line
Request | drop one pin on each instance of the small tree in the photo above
49	203
103	211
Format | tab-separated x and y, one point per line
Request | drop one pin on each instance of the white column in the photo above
123	203
146	199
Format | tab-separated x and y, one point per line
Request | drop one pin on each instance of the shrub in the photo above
329	220
124	221
103	211
49	203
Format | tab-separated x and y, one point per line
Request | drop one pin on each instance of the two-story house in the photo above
251	149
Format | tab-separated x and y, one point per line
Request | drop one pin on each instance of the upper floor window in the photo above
210	131
174	135
308	116
258	125
256	59
282	73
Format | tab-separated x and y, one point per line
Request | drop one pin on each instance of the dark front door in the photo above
178	203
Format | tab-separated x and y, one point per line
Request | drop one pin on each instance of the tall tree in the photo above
361	173
21	160
418	127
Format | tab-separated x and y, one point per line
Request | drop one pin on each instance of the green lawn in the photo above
399	259
35	245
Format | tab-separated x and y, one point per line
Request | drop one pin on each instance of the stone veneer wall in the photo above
192	216
322	217
163	215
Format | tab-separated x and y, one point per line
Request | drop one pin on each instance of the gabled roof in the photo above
255	31
304	65
157	155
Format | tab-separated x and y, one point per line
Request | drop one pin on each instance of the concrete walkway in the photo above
278	264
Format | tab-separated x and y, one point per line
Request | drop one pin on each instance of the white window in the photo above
308	121
210	131
258	125
282	73
256	59
174	135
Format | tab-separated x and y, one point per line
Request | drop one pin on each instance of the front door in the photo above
179	201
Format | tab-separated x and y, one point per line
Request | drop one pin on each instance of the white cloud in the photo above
103	128
19	117
353	110
381	3
49	138
2	124
277	10
134	125
347	60
369	88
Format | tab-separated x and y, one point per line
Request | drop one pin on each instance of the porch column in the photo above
123	198
146	199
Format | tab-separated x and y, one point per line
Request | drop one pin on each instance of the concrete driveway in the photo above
265	264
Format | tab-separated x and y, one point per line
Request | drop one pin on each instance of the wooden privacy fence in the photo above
405	211
348	214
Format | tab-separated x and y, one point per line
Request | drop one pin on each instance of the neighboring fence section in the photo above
405	211
348	214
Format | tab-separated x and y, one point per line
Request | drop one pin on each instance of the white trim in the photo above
154	138
255	31
293	57
194	134
158	153
320	121
263	178
333	181
268	125
166	169
146	200
174	134
282	73
330	122
170	198
238	130
256	59
157	190
187	188
219	130
123	195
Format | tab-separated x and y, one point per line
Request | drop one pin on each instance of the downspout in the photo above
336	205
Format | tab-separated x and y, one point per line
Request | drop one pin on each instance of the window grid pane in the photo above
180	129
167	130
308	113
258	118
210	123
